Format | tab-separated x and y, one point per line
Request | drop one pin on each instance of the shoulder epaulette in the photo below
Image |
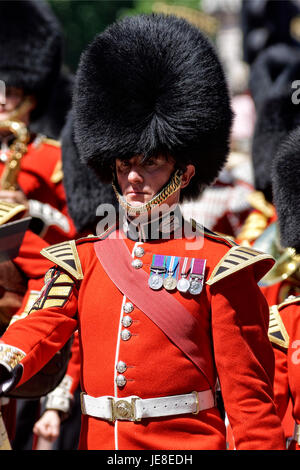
237	258
9	211
66	256
55	143
217	237
277	332
292	299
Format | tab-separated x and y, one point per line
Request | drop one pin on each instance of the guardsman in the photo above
282	285
30	70
159	303
272	80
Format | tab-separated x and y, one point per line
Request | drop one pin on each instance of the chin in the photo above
135	203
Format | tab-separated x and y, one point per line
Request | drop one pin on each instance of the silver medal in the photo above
183	284
155	281
196	286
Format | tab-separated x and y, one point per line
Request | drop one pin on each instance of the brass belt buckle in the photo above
123	409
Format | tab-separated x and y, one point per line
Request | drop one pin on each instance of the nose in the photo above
135	175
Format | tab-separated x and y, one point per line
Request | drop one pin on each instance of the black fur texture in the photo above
286	177
31	47
152	84
84	191
271	84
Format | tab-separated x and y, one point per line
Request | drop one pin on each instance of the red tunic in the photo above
234	321
287	355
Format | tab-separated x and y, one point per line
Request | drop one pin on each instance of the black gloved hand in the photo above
9	379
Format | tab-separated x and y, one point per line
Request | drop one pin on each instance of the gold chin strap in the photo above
160	198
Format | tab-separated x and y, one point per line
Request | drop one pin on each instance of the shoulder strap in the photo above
217	237
238	258
53	142
292	299
66	256
277	332
9	210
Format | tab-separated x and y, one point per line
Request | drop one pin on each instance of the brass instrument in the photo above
287	264
19	147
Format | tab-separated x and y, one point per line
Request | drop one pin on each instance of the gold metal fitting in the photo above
123	410
197	403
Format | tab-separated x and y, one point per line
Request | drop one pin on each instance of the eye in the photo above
123	165
151	162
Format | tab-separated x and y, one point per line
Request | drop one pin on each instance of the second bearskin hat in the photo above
272	79
265	23
285	183
31	47
152	84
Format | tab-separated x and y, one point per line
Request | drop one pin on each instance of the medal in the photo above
158	270
197	276
183	283
155	281
170	282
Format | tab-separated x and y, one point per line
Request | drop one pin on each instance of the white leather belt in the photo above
296	435
134	408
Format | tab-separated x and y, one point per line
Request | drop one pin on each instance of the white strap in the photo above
134	408
296	435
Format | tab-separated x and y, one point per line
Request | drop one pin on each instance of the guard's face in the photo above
141	181
13	98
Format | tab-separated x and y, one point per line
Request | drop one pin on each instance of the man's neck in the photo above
155	225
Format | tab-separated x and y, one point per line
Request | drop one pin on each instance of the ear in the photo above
187	176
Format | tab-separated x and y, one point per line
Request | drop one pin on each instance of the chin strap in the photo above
171	187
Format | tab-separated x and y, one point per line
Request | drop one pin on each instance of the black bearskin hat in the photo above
265	23
31	47
271	83
286	177
84	191
152	84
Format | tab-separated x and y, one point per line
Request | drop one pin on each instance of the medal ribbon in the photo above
184	268
198	267
171	265
158	265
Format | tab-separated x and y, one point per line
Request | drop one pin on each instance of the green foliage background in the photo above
83	19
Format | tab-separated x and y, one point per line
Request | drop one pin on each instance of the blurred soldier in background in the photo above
283	285
30	163
38	96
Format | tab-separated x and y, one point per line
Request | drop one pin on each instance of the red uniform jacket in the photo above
231	318
285	336
40	179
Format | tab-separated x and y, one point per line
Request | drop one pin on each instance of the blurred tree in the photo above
82	20
147	6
